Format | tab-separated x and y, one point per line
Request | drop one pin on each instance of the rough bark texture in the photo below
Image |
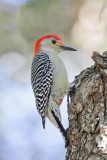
87	113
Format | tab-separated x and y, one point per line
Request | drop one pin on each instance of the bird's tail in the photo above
61	128
43	121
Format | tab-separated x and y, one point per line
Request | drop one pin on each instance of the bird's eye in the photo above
53	41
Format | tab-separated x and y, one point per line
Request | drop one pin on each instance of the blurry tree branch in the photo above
87	113
102	8
62	14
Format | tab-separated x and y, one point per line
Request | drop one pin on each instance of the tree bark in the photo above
87	113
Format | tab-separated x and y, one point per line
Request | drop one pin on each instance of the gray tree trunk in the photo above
87	113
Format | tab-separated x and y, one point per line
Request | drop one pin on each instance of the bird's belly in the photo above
60	78
60	84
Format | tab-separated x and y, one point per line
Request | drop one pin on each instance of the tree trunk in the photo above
87	113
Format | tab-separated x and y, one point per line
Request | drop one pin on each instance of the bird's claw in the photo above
71	88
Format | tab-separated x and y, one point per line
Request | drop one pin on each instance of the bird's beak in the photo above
67	48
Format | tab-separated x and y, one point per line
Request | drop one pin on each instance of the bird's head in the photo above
50	43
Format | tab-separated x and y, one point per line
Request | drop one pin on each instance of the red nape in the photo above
37	43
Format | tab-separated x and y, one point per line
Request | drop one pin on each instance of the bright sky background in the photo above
14	2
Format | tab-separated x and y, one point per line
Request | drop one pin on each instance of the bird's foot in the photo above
70	89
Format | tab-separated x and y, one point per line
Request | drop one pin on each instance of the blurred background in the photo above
81	24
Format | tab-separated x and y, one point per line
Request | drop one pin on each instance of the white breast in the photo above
60	77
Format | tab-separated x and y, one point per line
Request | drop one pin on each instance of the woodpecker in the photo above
49	79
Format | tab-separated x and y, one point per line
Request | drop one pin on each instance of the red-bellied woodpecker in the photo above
49	79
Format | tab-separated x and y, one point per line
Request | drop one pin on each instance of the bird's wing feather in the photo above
42	77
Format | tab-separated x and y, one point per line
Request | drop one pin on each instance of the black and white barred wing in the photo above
41	78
